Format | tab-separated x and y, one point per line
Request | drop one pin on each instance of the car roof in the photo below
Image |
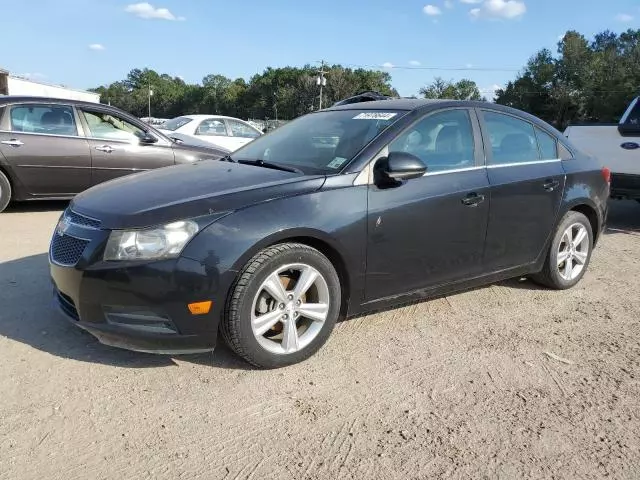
6	99
202	117
391	104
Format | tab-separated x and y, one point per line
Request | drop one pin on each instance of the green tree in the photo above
446	89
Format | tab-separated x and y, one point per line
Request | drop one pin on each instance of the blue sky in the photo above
86	43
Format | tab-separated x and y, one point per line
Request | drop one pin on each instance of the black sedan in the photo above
53	148
337	213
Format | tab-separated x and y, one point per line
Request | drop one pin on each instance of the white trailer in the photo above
13	85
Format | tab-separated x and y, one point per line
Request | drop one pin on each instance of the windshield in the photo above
321	142
175	123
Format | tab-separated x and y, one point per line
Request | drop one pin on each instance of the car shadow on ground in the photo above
37	206
28	315
624	217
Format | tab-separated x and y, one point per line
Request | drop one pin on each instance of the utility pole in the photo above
321	80
150	93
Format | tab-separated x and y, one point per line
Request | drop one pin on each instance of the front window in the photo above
175	123
323	142
239	129
443	141
106	126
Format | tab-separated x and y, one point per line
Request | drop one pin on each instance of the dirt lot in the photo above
509	381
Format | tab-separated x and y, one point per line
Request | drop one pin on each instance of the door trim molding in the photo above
523	164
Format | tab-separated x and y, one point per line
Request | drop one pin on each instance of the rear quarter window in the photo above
564	153
547	145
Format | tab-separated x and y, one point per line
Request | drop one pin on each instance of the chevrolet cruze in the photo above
340	212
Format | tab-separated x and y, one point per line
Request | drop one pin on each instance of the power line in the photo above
436	68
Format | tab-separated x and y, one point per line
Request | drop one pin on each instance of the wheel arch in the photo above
317	239
17	189
589	209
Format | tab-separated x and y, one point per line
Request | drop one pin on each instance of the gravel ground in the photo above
507	381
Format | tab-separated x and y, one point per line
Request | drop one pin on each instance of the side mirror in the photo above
403	166
147	139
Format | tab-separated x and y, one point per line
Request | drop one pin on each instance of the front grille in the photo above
67	305
67	250
81	219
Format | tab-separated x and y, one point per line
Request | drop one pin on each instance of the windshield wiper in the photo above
227	158
262	163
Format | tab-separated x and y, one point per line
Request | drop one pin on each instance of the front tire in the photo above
569	254
5	191
283	306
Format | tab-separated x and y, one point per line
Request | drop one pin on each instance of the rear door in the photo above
42	144
527	182
116	146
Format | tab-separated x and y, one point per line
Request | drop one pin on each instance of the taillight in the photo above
606	174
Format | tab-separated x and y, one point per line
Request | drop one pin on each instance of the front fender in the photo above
335	217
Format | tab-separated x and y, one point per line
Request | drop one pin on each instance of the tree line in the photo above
283	93
587	81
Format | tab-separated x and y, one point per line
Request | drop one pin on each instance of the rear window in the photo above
175	123
45	119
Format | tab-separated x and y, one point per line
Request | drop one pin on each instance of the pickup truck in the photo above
617	145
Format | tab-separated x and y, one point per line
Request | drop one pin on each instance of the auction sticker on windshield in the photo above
375	116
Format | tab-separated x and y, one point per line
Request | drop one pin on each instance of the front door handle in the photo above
13	143
551	185
105	148
473	200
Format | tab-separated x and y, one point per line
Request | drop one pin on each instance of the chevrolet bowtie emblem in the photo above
63	226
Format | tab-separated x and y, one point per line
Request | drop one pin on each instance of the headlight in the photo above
150	244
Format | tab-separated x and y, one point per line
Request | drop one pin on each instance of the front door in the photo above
527	182
42	144
241	134
116	147
431	230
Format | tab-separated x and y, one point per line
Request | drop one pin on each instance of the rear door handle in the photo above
551	185
473	200
105	148
13	143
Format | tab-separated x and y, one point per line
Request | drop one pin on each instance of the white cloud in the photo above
468	65
387	65
490	92
497	9
432	10
624	17
96	46
448	3
147	11
415	63
471	2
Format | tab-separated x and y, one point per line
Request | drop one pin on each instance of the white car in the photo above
226	132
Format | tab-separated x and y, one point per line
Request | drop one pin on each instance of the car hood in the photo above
203	188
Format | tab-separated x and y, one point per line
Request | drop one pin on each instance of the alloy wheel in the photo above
573	251
290	308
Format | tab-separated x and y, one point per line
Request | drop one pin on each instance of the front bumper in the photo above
140	307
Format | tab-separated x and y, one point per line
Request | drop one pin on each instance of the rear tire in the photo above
569	254
283	306
5	191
